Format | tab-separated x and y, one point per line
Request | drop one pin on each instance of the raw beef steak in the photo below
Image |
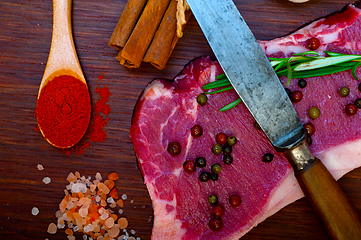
167	110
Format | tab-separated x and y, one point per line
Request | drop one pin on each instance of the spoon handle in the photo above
62	54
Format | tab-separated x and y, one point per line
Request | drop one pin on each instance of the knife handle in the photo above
334	210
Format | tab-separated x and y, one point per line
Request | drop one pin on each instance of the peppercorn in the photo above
227	149
359	87
216	168
221	138
227	159
174	148
189	166
288	91
204	176
296	96
309	140
214	177
201	162
231	140
215	224
313	43
217	149
310	128
314	112
218	210
302	83
212	199
196	131
268	157
358	103
202	99
350	109
344	91
257	126
235	200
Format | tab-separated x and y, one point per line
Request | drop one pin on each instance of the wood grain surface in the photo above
25	38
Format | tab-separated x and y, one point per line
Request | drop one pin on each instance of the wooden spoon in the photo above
63	59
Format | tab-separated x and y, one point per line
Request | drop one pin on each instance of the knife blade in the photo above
253	78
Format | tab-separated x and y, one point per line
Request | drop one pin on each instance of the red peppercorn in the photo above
351	109
310	128
218	210
313	43
215	224
235	200
196	131
221	138
189	166
174	148
296	96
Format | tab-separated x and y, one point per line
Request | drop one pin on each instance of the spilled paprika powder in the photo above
63	110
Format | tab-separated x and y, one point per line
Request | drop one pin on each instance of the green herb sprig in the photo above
299	65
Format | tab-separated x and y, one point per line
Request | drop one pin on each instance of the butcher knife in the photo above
257	84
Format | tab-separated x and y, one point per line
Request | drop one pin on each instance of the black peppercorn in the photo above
302	83
268	157
204	176
227	159
201	162
214	177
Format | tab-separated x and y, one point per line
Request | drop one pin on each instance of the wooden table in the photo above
25	38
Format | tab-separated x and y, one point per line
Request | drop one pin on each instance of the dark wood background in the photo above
25	36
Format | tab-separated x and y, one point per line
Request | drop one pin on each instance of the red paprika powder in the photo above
63	110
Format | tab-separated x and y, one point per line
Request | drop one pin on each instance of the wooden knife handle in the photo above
334	210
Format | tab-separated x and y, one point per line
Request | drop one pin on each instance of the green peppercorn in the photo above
212	199
314	112
227	149
204	176
227	159
216	168
214	177
231	140
344	91
201	162
202	99
217	149
268	157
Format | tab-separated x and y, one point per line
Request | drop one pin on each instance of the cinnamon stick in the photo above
165	38
134	50
126	23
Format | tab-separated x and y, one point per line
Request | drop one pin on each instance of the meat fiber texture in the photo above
167	110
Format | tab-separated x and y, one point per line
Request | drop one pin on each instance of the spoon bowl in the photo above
63	61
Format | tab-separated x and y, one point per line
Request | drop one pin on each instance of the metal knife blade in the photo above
253	78
249	71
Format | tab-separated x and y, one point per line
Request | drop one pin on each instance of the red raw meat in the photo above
167	110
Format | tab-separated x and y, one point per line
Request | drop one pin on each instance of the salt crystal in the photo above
88	228
121	211
109	222
78	187
121	237
35	211
71	238
124	196
110	200
131	201
98	176
132	231
59	214
138	238
76	228
131	238
83	212
46	180
40	167
71	177
70	225
113	205
52	228
85	237
104	216
97	198
113	232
